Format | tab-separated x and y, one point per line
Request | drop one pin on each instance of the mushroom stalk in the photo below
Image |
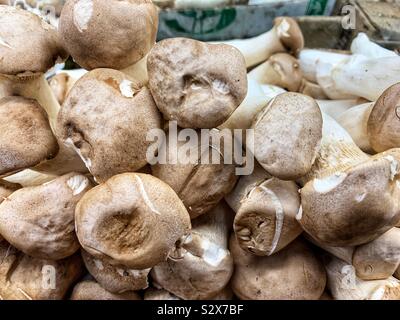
138	71
30	178
334	108
364	46
284	35
345	285
266	210
201	265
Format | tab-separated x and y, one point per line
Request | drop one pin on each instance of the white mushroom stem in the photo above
258	96
30	178
138	71
258	49
344	284
312	89
334	108
364	46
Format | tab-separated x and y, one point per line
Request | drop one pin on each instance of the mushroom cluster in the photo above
93	208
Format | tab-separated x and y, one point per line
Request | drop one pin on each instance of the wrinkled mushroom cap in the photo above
290	34
27	43
197	84
132	220
113	278
40	220
384	120
106	117
26	138
355	205
266	220
294	273
91	290
287	135
108	33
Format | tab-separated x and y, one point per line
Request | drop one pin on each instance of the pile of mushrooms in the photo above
88	213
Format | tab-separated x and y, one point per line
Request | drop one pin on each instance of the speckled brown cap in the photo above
91	290
40	220
26	138
197	84
200	186
294	273
113	278
132	220
384	121
201	265
287	135
355	204
107	117
27	43
108	33
25	278
290	34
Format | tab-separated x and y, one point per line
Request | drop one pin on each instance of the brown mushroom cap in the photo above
26	138
197	84
132	220
25	278
108	33
354	205
201	266
294	273
290	34
397	273
384	121
159	294
40	220
91	290
379	258
107	117
266	220
200	186
27	43
113	278
287	135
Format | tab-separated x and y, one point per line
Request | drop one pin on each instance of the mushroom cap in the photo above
26	138
25	278
113	278
107	117
293	273
287	135
384	121
202	265
59	86
195	83
132	220
200	186
108	33
378	259
355	205
290	34
27	43
266	220
40	220
158	294
91	290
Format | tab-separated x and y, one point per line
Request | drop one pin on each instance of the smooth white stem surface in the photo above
364	46
29	178
258	96
138	71
335	108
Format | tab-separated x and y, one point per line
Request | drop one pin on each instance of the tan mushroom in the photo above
106	118
26	138
113	278
343	283
159	294
197	84
349	198
91	290
287	135
285	36
25	278
397	273
380	258
62	82
294	273
30	178
266	210
40	220
6	189
200	186
132	220
201	265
